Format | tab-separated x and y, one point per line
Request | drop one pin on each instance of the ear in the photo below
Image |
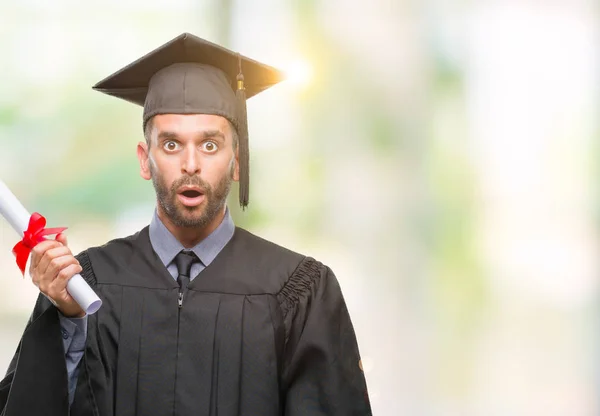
236	170
143	157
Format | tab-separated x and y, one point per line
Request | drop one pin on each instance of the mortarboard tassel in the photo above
243	147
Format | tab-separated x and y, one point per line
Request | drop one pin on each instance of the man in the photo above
199	317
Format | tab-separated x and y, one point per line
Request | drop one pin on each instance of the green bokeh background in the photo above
441	158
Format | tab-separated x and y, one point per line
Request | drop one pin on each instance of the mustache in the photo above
192	181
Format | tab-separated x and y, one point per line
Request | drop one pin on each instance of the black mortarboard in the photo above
189	75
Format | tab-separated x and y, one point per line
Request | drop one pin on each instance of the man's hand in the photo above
52	265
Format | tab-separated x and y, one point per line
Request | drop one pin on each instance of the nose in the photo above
191	161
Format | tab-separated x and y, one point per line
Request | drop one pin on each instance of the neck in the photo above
190	236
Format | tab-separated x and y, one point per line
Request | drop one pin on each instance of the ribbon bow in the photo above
34	234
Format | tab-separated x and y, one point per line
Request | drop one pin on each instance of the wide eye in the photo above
209	147
170	146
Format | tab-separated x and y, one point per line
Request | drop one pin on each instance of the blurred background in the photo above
441	156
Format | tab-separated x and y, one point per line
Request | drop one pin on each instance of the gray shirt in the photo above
166	246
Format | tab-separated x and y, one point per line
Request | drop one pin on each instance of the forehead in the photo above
183	124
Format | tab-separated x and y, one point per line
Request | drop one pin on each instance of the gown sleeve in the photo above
36	380
322	374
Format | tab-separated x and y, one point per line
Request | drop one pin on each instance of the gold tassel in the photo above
243	146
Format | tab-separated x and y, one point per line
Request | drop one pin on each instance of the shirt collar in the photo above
167	246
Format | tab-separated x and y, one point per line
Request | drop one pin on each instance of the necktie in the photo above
184	261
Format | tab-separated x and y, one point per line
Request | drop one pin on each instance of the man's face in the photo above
191	162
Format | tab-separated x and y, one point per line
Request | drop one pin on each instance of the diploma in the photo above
31	229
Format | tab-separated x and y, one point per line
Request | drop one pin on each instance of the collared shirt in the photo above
166	246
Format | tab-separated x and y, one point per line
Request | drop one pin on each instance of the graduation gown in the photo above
262	331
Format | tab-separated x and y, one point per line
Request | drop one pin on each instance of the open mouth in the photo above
191	197
191	194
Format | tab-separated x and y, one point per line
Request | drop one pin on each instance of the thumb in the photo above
61	238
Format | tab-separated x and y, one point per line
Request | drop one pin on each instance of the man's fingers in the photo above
57	264
38	251
68	272
49	256
58	285
43	278
62	238
56	270
42	247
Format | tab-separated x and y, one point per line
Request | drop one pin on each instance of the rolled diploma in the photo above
18	217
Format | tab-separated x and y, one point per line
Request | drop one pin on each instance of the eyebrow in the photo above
167	135
208	134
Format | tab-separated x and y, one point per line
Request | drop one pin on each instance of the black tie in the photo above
184	261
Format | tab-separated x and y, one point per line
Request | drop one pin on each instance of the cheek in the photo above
164	169
152	164
216	170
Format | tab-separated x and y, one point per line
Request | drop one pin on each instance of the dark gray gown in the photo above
262	331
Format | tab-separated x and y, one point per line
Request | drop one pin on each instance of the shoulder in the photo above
112	254
299	275
302	284
264	251
120	246
252	264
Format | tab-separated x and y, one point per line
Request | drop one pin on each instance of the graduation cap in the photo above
189	75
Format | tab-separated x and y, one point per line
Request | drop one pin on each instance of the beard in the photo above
191	217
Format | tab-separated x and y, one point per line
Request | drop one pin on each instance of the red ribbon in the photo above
31	237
